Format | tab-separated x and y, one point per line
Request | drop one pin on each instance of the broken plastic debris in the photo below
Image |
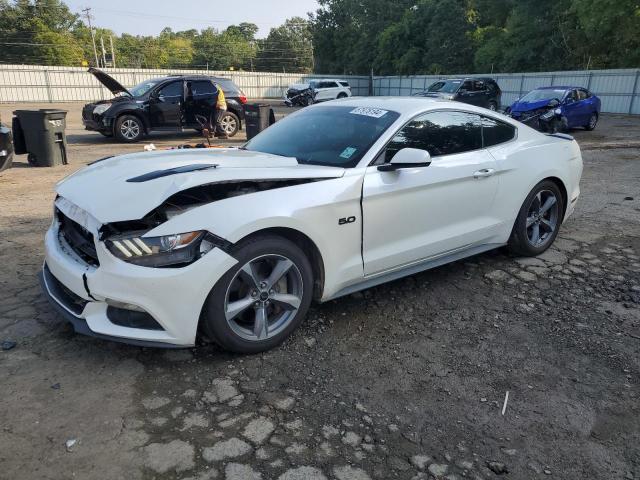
149	148
70	443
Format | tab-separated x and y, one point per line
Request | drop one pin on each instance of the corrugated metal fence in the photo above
618	89
29	83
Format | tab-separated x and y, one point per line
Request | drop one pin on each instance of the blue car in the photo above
554	109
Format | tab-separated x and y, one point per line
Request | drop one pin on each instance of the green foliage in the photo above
466	36
287	48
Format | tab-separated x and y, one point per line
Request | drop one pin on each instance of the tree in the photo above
288	47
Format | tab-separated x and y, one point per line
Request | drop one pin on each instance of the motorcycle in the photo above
300	96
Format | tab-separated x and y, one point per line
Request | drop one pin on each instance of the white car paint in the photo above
325	89
410	220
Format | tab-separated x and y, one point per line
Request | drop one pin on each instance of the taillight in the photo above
242	97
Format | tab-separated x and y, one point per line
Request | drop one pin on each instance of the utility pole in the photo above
104	53
87	12
113	52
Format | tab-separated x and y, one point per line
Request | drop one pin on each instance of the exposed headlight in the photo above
548	115
100	109
558	111
170	250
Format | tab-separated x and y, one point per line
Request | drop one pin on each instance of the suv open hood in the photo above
130	186
108	81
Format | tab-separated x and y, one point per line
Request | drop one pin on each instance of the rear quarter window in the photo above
495	132
344	84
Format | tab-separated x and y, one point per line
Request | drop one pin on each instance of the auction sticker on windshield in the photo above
369	112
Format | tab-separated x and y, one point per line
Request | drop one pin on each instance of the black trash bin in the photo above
43	134
257	117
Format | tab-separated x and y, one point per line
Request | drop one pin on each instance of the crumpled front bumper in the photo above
172	296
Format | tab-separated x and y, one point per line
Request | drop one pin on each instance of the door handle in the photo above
485	172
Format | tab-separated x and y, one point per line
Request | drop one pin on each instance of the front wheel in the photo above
129	129
260	301
538	221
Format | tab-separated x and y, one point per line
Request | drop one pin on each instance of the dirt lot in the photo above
406	380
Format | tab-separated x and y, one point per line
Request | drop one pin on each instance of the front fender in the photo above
141	110
314	209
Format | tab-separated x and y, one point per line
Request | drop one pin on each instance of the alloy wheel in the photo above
130	129
593	120
542	218
263	297
228	124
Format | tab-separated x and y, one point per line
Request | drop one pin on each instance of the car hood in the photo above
108	81
299	86
528	106
106	191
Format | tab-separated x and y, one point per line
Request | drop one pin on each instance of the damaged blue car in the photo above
554	109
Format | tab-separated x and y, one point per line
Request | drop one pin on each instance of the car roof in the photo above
407	105
556	87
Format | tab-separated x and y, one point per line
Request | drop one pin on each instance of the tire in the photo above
531	217
129	129
230	124
593	121
342	95
33	161
234	329
493	106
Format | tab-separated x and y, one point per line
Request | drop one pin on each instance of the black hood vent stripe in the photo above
172	171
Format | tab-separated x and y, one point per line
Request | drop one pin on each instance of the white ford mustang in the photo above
162	247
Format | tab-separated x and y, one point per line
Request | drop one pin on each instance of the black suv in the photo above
162	104
483	91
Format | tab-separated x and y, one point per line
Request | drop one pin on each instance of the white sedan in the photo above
232	245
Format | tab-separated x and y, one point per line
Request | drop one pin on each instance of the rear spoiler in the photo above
564	136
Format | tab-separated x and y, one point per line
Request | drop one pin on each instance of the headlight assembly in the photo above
167	251
100	109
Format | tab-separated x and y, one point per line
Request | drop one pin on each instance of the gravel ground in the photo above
407	380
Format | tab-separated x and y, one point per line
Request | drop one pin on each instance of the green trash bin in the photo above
44	137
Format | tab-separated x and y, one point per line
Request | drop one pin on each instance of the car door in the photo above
468	93
419	213
571	109
165	106
585	106
200	103
323	91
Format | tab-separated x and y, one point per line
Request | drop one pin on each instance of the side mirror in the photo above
407	158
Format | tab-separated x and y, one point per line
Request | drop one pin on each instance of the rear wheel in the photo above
342	95
259	302
129	129
230	124
538	221
593	121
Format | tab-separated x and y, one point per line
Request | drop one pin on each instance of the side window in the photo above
203	87
174	89
573	96
344	84
495	132
334	85
467	85
439	133
479	86
582	95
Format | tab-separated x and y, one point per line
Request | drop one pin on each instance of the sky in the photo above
149	17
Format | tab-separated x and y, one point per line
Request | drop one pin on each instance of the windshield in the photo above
446	86
143	87
543	94
329	136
